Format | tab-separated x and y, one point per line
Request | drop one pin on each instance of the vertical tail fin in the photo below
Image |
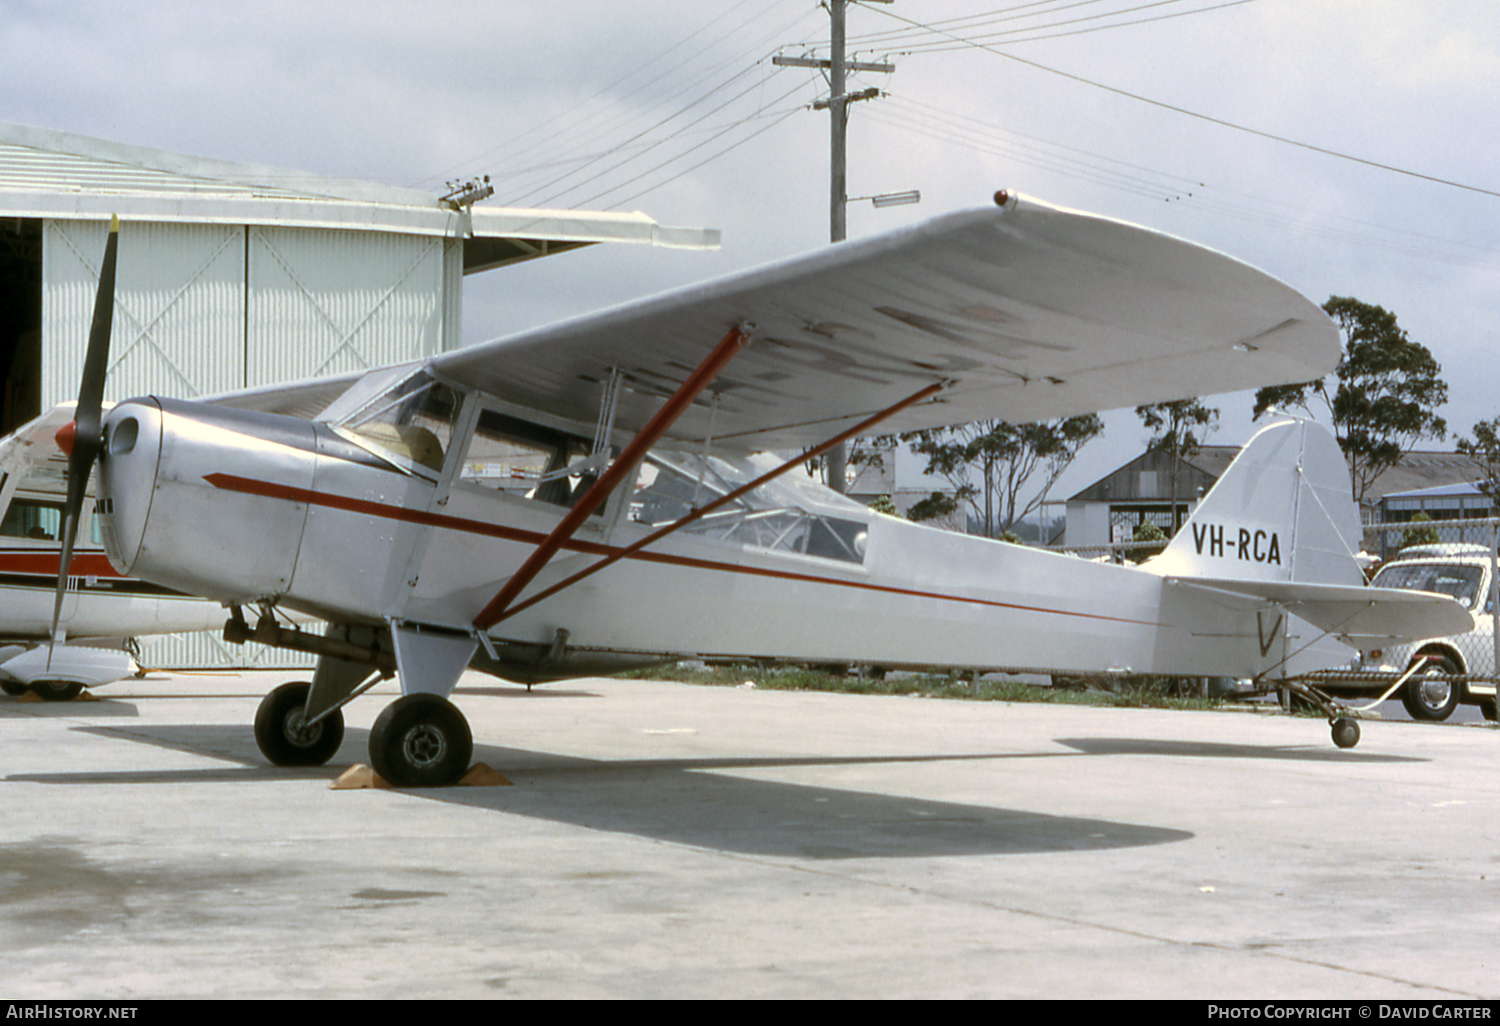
1283	512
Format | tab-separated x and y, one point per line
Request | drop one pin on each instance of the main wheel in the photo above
1428	698
13	688
57	690
421	740
285	739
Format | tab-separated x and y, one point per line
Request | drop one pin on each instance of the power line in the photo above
578	128
1194	114
1034	33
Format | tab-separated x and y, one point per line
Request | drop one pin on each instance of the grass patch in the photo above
1125	692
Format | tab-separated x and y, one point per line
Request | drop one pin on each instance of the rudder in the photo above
1283	512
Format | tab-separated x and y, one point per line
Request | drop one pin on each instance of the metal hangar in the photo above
233	275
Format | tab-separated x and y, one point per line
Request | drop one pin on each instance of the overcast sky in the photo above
673	107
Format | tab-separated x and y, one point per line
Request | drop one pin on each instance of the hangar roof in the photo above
46	173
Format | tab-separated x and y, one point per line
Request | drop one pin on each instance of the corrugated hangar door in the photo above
324	302
209	308
179	324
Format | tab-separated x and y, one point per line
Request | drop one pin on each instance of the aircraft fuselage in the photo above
248	508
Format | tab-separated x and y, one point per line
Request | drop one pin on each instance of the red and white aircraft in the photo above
103	614
587	496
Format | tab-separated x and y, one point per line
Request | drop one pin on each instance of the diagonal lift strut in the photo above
649	435
861	428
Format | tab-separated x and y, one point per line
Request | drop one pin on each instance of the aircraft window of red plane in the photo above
27	518
778	515
413	420
529	460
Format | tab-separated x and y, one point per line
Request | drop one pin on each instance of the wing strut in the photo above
649	435
861	428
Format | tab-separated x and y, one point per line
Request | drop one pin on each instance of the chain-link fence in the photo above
1450	557
1456	558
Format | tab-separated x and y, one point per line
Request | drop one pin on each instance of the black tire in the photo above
1490	708
1428	699
57	690
14	688
284	740
1345	732
421	740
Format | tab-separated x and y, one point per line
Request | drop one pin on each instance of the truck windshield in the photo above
1455	580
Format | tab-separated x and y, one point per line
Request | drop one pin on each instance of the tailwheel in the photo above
283	736
421	740
1345	732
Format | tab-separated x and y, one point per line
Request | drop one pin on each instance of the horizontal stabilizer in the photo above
1281	526
1364	617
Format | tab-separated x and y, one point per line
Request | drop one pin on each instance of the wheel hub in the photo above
424	745
298	732
1435	692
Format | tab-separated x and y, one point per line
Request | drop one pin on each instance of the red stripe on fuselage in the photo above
249	486
43	562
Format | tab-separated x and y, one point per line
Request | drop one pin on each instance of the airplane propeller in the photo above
83	437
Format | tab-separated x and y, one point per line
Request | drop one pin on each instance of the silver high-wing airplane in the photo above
586	496
103	612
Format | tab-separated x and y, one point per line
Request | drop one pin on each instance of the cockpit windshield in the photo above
413	420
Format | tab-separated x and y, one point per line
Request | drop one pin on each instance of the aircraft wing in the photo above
1030	311
1365	617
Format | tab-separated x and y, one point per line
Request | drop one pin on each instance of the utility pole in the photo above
838	188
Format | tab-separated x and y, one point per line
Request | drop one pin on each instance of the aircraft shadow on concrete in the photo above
705	803
1220	750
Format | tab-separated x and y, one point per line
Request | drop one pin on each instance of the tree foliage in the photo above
1483	451
1386	393
993	466
1180	428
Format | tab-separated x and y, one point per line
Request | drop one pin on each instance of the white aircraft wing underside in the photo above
1030	311
1369	617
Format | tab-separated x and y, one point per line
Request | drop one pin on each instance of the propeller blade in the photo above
83	438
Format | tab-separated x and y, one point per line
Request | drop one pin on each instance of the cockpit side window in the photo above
530	460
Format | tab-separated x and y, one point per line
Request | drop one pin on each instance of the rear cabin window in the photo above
774	516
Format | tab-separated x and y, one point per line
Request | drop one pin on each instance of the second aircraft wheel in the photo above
421	740
284	738
57	690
